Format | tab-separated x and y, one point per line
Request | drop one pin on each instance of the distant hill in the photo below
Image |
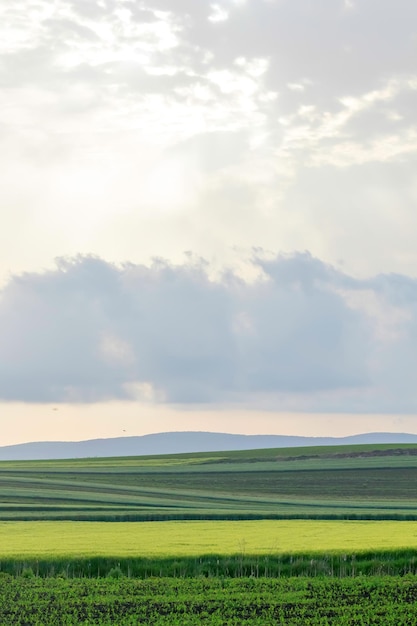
180	442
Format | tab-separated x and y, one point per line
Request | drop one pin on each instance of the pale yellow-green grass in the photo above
163	539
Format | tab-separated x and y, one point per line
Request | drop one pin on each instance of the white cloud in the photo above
149	128
303	336
218	14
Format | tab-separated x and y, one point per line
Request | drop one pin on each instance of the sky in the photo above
207	217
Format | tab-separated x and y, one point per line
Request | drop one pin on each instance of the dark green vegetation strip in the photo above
372	563
163	602
338	482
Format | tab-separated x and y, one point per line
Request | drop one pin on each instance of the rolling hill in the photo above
368	481
183	442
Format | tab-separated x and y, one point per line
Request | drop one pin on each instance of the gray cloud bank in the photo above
302	336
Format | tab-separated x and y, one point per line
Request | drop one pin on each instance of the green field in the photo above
194	538
356	501
341	482
210	548
319	536
170	602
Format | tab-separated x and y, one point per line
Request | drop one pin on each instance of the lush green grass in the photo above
211	548
339	565
65	571
361	482
165	539
217	602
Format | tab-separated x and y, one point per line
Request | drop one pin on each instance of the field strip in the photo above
192	538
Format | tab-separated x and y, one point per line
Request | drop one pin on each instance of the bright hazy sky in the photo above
208	217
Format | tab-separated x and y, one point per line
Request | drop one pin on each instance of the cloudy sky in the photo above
208	217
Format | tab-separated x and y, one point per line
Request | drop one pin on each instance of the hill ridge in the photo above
177	442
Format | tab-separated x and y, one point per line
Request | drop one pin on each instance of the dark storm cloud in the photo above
90	331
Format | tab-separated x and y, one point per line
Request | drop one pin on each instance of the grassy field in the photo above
194	538
340	482
214	602
209	548
169	602
57	569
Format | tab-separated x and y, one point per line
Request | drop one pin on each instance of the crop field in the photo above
231	602
194	538
340	482
313	536
210	548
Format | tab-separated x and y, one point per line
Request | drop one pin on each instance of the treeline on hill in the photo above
337	482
